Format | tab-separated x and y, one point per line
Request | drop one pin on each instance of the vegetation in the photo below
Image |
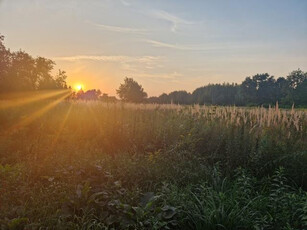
19	71
95	165
71	161
131	91
261	89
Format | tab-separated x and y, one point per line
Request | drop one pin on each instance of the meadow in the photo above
72	164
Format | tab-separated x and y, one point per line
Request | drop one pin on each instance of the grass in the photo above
93	165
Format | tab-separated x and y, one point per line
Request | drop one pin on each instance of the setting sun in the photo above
78	87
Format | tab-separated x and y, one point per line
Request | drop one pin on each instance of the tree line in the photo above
260	89
92	94
19	71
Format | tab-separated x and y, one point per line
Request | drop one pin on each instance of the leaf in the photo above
146	198
96	195
168	212
139	212
118	183
111	220
18	223
148	205
126	222
114	203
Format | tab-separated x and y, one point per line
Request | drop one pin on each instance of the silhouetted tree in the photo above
106	98
131	91
261	89
282	88
19	71
5	57
92	94
60	80
180	97
296	77
297	87
249	90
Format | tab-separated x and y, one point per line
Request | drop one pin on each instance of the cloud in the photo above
119	29
128	63
90	58
126	3
181	47
168	45
168	76
199	47
117	58
174	20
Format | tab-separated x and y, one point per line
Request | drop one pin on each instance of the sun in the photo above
78	87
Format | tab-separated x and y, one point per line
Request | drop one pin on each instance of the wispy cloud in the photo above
129	63
197	47
126	3
173	76
168	45
181	47
174	20
119	29
116	58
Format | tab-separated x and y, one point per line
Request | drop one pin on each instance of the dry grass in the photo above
55	151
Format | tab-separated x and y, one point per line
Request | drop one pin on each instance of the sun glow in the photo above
78	87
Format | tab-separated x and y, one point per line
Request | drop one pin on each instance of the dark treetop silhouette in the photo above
19	71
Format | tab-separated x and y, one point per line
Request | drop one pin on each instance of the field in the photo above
68	164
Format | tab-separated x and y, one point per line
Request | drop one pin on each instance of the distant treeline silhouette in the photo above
92	94
261	89
19	71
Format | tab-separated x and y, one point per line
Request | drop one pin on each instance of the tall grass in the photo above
94	165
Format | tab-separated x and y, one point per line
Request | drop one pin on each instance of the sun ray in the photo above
59	132
19	99
93	114
37	114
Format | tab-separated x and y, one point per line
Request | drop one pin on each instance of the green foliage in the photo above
260	89
127	166
243	203
131	91
19	71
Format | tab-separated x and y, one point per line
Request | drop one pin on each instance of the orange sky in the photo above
164	45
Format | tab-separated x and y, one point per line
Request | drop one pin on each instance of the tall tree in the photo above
21	74
131	91
19	71
5	57
249	90
296	77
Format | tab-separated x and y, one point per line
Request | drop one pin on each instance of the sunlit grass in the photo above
18	99
33	116
73	164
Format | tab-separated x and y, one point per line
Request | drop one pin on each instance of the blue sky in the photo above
165	45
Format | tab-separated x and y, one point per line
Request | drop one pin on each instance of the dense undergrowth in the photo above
89	165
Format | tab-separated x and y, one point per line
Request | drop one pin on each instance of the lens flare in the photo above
79	87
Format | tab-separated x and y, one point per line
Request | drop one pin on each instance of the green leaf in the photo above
146	198
18	223
168	212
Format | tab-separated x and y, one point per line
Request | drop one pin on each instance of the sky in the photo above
165	45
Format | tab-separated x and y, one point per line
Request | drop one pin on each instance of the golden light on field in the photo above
36	114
